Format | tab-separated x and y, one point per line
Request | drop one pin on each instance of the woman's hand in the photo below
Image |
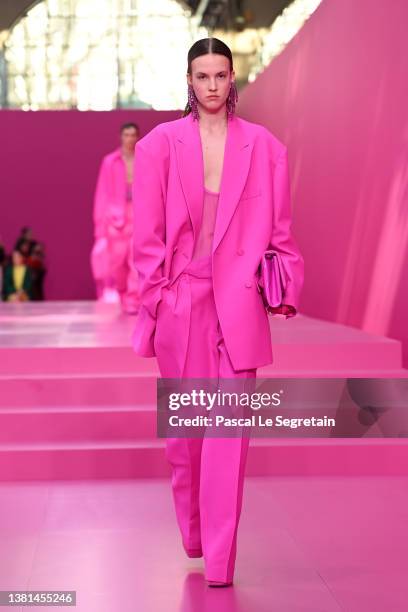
283	309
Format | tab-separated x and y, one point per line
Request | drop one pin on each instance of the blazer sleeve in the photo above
282	239
149	230
101	200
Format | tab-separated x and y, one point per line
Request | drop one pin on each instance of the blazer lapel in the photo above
191	170
237	157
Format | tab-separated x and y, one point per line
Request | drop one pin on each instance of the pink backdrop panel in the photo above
337	96
49	162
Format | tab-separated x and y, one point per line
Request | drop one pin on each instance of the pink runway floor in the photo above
315	544
85	498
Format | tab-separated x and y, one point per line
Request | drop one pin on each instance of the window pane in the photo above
98	54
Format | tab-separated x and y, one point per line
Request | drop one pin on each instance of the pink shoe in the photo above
130	310
216	583
129	305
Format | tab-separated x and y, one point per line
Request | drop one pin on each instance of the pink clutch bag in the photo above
271	279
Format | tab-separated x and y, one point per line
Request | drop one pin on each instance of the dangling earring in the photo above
192	102
232	99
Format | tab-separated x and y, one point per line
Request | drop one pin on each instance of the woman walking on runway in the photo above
211	194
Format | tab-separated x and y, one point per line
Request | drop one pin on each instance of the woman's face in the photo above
211	76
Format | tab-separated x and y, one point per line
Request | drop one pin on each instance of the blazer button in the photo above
248	284
240	251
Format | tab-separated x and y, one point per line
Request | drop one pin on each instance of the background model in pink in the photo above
111	257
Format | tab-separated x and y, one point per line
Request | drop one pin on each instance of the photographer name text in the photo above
252	421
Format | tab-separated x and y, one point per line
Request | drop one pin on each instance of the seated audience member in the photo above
2	264
25	249
17	281
25	236
36	263
2	253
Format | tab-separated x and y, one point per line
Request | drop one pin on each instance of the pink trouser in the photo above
123	274
207	473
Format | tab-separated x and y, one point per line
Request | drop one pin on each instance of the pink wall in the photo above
338	97
48	168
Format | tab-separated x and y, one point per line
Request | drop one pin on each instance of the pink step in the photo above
117	389
146	459
381	354
48	390
92	338
76	423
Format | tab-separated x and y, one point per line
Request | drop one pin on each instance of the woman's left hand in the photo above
283	309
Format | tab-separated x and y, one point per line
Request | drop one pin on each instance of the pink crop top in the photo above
204	241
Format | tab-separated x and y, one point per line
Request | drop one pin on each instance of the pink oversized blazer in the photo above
254	213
